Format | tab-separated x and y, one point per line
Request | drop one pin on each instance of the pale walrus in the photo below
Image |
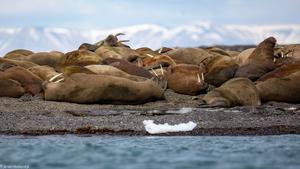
102	89
80	58
234	92
284	89
186	79
261	61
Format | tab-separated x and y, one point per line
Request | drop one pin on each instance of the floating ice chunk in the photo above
153	128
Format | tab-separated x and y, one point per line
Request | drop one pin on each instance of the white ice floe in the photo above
153	128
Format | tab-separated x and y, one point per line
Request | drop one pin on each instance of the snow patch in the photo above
153	128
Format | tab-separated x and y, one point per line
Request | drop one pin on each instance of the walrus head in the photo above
112	41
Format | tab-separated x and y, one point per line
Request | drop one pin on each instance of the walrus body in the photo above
31	83
83	88
112	71
80	58
186	79
243	57
261	61
4	62
235	92
127	67
117	52
281	71
11	88
44	72
284	89
17	53
188	55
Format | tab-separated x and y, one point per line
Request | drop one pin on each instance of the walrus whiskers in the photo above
54	77
154	72
161	69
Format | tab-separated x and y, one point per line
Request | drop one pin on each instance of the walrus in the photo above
29	81
186	79
117	52
17	53
261	61
112	71
44	72
281	71
243	57
282	89
219	69
11	88
234	92
155	61
4	62
112	41
87	46
43	58
80	58
188	55
127	67
102	89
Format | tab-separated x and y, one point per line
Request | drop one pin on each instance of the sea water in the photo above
209	152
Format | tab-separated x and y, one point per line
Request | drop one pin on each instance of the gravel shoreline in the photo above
34	116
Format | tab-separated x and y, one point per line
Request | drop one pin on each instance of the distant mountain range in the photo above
154	36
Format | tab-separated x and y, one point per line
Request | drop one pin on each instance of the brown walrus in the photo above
80	58
43	58
219	69
31	83
234	92
112	41
127	67
283	89
188	55
243	58
281	71
11	88
87	46
4	62
117	52
44	72
186	79
102	89
17	53
112	71
261	61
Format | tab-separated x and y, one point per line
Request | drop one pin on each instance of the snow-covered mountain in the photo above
154	36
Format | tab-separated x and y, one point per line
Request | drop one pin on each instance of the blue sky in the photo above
116	13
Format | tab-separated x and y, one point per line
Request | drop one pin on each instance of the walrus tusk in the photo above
202	76
160	50
54	77
118	34
274	60
172	60
123	40
199	80
282	54
59	80
161	69
151	56
154	72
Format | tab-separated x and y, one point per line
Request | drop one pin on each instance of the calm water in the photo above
150	152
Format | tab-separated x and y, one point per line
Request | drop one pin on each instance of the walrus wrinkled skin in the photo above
284	89
235	92
261	61
112	71
11	88
188	55
83	88
29	81
186	79
127	67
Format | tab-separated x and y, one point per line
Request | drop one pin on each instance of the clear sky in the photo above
116	13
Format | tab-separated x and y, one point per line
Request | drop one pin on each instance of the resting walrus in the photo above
102	89
17	53
234	92
11	88
261	61
186	79
282	89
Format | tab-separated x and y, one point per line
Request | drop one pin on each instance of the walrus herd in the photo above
111	72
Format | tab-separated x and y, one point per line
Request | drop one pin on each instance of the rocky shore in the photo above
34	116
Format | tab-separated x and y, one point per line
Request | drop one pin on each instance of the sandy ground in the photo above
34	116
